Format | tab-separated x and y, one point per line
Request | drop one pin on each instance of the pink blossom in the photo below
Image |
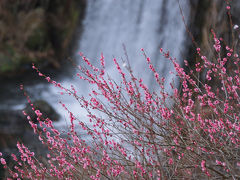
203	165
3	161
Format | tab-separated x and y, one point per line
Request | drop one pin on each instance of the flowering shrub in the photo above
135	133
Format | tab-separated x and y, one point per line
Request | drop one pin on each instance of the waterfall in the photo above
148	24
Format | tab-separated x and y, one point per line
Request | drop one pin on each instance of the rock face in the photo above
45	108
38	31
206	15
14	127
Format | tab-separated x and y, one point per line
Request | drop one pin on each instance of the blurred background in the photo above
49	32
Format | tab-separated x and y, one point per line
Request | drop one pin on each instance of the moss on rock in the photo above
39	31
37	34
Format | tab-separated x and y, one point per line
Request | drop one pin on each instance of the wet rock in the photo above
46	110
14	127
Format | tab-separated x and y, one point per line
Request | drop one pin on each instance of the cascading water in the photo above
148	24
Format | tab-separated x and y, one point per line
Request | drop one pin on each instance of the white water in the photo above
148	24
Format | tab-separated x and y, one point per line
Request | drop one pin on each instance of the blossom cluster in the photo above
137	133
